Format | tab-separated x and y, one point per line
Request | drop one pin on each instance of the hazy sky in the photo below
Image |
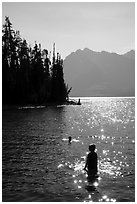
98	26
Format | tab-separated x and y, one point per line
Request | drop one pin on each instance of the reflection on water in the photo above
39	164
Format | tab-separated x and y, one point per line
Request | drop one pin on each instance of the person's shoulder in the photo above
95	153
89	154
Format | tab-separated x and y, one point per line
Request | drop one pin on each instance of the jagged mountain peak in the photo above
130	54
102	73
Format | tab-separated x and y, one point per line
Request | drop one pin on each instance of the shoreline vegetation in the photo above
31	75
41	105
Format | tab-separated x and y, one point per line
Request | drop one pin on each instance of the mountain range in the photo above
102	74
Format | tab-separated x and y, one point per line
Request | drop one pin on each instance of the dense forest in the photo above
29	76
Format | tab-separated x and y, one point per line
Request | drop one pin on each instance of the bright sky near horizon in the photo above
108	26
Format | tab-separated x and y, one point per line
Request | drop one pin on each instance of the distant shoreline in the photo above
42	105
73	101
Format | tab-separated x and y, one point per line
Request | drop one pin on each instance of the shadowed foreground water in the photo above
40	165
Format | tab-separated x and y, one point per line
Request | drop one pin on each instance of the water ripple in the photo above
40	165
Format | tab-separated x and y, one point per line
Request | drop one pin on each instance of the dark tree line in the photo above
28	75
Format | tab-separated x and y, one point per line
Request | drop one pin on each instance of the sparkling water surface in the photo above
40	165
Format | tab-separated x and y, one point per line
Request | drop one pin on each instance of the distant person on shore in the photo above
91	162
79	103
69	139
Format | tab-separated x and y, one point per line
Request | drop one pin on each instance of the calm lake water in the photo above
40	165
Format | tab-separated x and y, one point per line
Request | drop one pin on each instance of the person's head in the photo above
69	138
92	147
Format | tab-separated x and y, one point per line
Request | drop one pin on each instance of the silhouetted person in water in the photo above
91	162
69	139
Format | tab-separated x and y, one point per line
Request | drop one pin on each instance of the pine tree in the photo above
59	92
23	85
9	61
37	74
27	74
